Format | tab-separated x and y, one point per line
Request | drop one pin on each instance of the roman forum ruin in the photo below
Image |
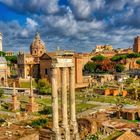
64	64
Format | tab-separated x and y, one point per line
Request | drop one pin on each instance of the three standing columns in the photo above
65	122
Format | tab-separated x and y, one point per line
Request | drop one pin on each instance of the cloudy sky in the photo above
78	25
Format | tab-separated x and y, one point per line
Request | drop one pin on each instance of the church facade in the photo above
28	64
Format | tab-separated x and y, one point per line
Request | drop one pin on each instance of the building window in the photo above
46	71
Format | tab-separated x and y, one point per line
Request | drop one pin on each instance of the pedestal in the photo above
32	106
15	105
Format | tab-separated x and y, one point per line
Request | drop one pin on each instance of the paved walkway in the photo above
100	106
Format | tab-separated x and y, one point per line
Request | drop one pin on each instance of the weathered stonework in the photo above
32	106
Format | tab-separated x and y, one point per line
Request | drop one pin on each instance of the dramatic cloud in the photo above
75	24
33	6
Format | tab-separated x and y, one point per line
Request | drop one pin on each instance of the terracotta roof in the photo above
128	135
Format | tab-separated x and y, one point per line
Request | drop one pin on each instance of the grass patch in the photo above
27	84
114	135
82	107
39	123
44	101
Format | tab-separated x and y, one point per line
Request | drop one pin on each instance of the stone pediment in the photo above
45	56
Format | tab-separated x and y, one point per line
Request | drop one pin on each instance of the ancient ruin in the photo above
15	104
64	64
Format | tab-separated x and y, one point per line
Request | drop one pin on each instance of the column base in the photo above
66	132
32	106
14	106
74	130
57	134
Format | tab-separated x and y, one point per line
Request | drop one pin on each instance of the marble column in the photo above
72	103
64	104
55	116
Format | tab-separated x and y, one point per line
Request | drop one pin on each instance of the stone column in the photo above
55	104
15	105
72	103
64	104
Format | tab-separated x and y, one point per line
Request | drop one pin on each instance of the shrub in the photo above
46	110
42	122
90	67
98	58
138	61
119	68
44	86
118	57
133	55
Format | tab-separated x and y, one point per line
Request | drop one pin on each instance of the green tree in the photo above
133	55
119	68
44	86
98	58
2	53
138	61
117	58
12	59
90	67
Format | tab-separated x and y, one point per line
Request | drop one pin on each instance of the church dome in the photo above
37	47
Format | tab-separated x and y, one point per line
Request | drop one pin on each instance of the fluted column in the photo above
72	102
55	104
64	104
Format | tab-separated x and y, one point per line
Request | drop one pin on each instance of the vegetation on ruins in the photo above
101	64
119	68
46	110
90	67
117	58
98	58
39	123
133	55
44	87
138	61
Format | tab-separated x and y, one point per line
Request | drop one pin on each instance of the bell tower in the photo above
136	46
